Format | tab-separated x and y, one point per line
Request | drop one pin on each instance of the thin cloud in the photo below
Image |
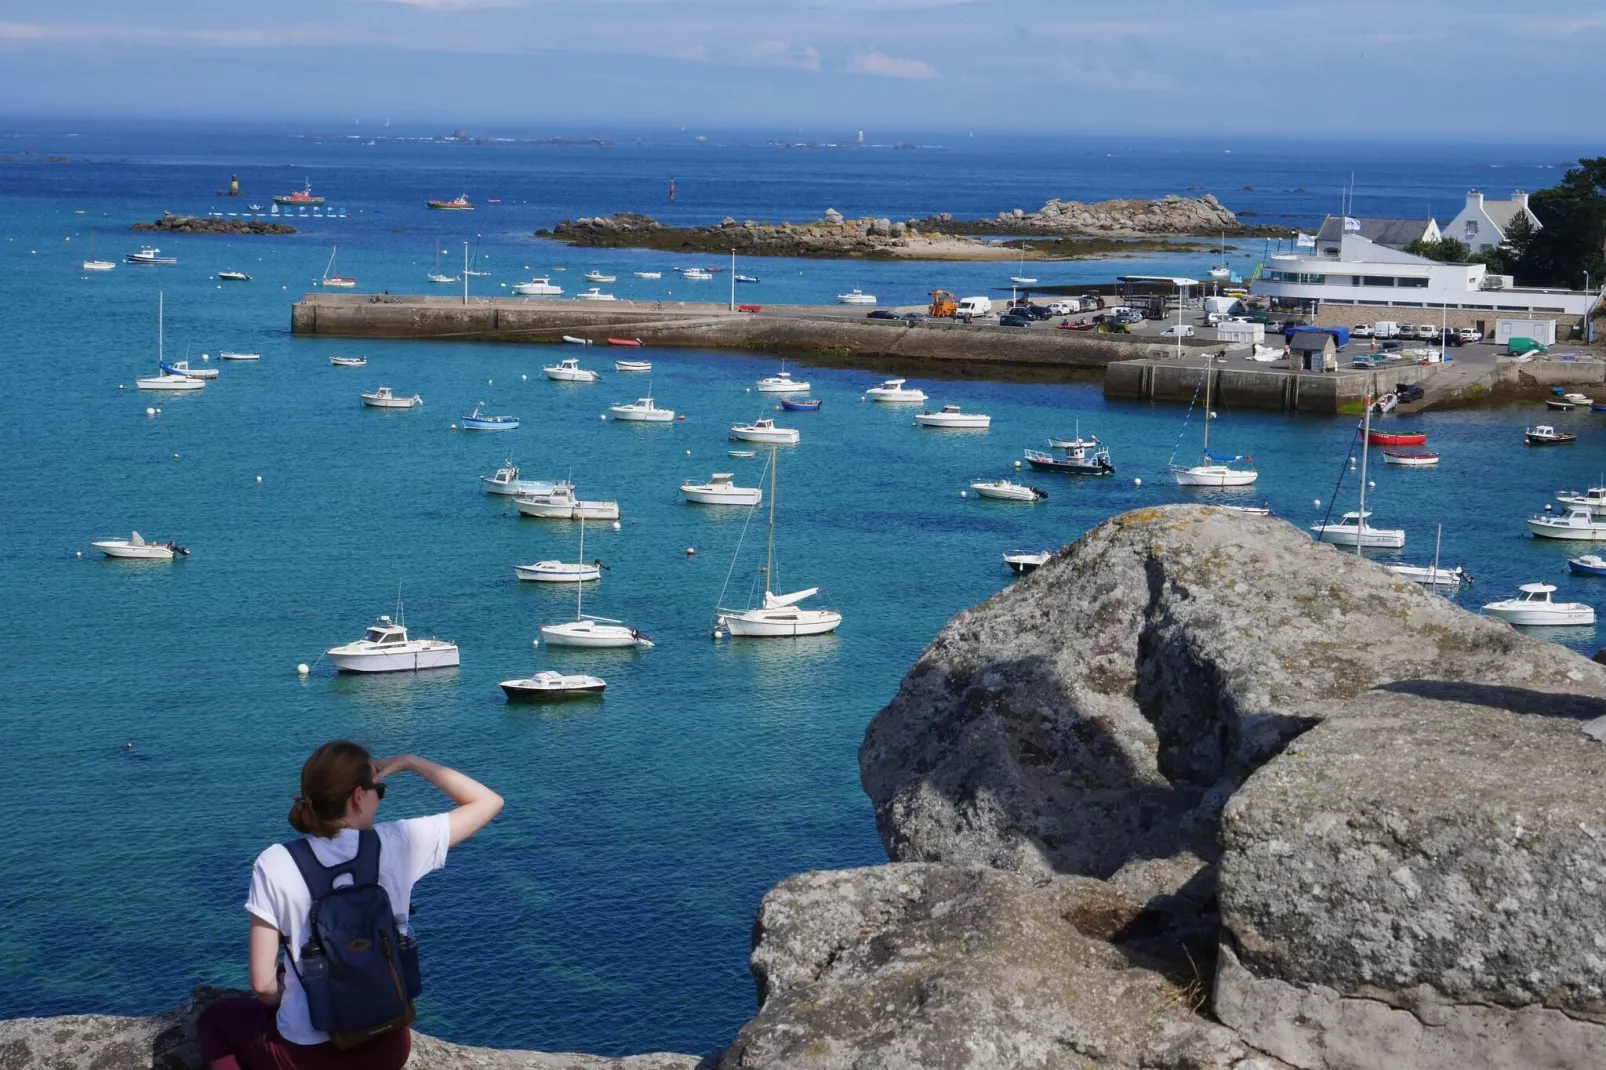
881	65
779	54
450	5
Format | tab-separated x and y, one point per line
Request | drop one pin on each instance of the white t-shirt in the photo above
407	850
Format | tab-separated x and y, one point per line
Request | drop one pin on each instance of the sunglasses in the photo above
377	789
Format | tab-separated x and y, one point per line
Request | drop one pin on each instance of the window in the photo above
1377	280
1472	228
1415	284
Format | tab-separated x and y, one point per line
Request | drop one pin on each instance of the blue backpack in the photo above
359	970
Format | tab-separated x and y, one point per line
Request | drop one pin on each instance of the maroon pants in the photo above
243	1034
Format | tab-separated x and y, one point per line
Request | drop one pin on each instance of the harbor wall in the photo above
821	331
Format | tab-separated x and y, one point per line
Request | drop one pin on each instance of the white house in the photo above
1483	224
1363	272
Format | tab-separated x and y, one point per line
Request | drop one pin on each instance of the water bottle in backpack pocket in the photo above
359	970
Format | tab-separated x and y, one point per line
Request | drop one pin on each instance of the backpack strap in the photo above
363	866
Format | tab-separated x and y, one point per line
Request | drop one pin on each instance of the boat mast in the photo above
1433	574
579	583
1207	405
465	274
1366	437
158	334
769	554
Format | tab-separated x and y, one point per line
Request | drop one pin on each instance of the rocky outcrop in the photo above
1419	882
189	224
1116	219
910	967
1096	716
167	1042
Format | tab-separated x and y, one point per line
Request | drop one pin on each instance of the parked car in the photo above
1272	326
1450	337
1391	347
1471	334
914	317
1012	320
1177	330
1067	307
881	314
1408	392
1427	332
1361	330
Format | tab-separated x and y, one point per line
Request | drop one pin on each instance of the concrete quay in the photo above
826	332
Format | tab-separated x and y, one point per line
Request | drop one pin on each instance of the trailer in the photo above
1542	331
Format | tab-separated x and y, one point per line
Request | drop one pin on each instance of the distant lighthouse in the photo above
671	191
861	137
234	185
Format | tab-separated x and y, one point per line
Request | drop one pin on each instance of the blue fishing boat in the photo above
806	405
1588	565
475	421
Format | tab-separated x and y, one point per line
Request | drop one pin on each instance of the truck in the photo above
1340	334
969	307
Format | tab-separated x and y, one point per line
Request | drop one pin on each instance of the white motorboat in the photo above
1004	490
1211	471
506	482
182	367
782	383
950	416
1021	562
719	490
632	367
229	354
696	275
559	571
569	371
542	287
597	276
594	294
97	265
441	279
1581	524
385	647
1580	400
649	275
561	504
349	362
385	398
588	631
233	276
149	256
1534	607
172	381
778	616
1411	458
894	392
1350	530
645	410
552	686
1546	435
135	548
1593	499
574	340
764	430
856	297
1386	404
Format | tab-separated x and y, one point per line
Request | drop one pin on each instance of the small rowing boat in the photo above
1411	458
1395	438
635	343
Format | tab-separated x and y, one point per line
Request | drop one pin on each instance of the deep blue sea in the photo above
154	724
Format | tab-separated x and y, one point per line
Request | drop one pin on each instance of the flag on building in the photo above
1351	223
1307	241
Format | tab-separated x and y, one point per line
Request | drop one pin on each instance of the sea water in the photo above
154	723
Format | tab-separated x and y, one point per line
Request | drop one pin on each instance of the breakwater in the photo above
823	331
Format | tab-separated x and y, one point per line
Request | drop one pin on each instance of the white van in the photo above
1385	329
974	306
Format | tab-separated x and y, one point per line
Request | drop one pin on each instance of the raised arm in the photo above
476	803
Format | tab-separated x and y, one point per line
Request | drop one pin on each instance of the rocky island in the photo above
1065	230
1198	794
189	224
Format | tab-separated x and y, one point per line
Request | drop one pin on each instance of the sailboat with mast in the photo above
436	275
1212	471
1022	279
168	378
1222	272
341	282
589	631
779	616
93	264
1355	529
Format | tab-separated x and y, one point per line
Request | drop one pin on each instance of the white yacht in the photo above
550	686
182	367
594	294
506	482
597	276
589	631
782	384
559	571
1352	530
696	275
568	370
779	616
1593	499
1581	524
170	381
149	255
136	548
894	392
93	264
542	287
856	297
561	504
1534	606
1004	490
1431	575
649	275
386	398
719	490
765	431
950	416
643	411
385	647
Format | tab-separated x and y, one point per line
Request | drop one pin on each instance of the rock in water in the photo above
1419	882
1098	714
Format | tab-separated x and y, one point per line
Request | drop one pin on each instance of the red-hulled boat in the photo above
1395	438
460	204
634	343
301	197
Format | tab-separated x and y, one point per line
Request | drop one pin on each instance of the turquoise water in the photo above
155	723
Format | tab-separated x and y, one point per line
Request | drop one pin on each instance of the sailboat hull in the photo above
592	636
785	623
1210	475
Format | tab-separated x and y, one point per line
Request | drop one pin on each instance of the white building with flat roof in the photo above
1363	272
1483	224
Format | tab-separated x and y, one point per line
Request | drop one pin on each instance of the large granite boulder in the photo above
1421	881
928	967
1094	717
167	1042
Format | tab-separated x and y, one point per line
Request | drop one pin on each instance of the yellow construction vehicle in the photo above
942	304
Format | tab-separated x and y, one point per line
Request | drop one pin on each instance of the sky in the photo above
1436	69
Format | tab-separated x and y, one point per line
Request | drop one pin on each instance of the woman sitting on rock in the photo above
356	957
